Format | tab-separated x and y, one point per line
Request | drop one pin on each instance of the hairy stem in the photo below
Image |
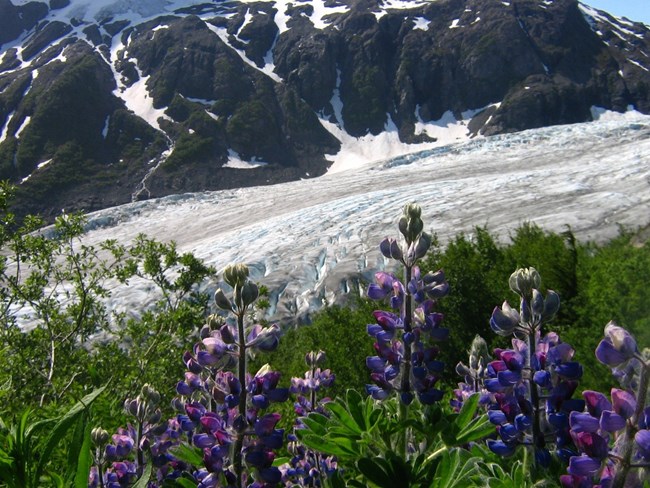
631	428
239	443
405	384
538	439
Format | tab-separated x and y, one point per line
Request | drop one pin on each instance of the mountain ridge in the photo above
107	102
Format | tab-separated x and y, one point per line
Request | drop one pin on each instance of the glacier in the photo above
312	241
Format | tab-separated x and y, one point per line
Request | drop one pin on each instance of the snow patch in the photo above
268	69
454	24
235	161
5	129
401	4
22	127
105	128
40	166
320	11
636	63
421	23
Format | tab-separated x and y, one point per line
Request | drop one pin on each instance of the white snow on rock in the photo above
421	23
235	161
268	69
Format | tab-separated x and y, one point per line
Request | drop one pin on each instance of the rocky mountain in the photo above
105	102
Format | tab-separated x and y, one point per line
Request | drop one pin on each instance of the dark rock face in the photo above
14	20
246	81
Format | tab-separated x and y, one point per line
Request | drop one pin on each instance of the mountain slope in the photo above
111	101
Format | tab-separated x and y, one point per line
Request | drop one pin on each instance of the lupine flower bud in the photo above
478	353
537	303
423	245
150	395
524	280
320	358
390	249
235	274
249	293
551	305
99	436
214	322
411	225
222	301
642	439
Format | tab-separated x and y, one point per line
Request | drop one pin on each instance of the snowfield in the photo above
310	241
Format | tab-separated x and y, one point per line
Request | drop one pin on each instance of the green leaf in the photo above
374	472
454	469
185	483
341	447
146	475
314	424
467	412
355	406
344	417
84	460
279	461
188	454
479	428
62	426
57	481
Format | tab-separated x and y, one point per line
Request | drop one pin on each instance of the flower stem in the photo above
631	428
538	438
239	442
405	384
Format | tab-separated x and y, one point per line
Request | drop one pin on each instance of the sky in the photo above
637	10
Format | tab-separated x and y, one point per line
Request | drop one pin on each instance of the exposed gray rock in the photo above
242	78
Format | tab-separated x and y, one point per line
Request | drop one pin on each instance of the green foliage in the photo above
57	358
477	271
364	103
53	314
26	449
254	126
366	435
147	348
189	148
59	283
341	333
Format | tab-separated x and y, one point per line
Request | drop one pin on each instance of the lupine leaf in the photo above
188	454
343	416
57	481
146	475
355	406
84	461
314	425
185	483
375	473
454	470
478	428
279	461
467	411
339	446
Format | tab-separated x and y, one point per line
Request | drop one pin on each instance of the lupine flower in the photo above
531	384
306	468
617	347
403	338
216	412
612	435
